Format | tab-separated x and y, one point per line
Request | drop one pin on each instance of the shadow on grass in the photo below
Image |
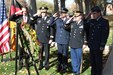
85	62
53	63
53	58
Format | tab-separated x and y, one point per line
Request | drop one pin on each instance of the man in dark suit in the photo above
61	38
43	34
97	31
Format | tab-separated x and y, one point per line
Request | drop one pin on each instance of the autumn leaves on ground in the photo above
7	67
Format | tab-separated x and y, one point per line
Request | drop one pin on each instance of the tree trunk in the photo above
32	9
56	8
87	8
79	5
94	3
32	6
76	2
62	3
104	7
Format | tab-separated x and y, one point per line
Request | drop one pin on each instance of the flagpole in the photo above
16	54
4	29
10	31
1	58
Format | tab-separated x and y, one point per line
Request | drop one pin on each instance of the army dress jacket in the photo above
76	35
43	29
62	35
97	32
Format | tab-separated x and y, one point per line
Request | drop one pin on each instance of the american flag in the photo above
4	29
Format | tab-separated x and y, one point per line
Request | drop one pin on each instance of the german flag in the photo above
15	6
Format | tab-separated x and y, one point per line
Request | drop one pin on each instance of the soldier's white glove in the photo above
52	44
50	41
19	12
38	13
55	15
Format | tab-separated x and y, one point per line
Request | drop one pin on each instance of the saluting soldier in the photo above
43	33
61	38
76	26
97	31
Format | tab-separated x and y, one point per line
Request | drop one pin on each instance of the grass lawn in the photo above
8	67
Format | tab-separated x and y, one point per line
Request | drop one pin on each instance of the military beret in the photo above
95	9
64	10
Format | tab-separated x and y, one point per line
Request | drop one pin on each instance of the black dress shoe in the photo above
20	67
59	68
47	68
77	73
40	67
63	70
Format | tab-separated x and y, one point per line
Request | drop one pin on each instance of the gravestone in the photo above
108	68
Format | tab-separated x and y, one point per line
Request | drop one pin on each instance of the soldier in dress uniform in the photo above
61	38
97	31
43	33
76	26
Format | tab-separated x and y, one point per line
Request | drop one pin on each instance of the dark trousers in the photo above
96	61
46	48
21	55
62	55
